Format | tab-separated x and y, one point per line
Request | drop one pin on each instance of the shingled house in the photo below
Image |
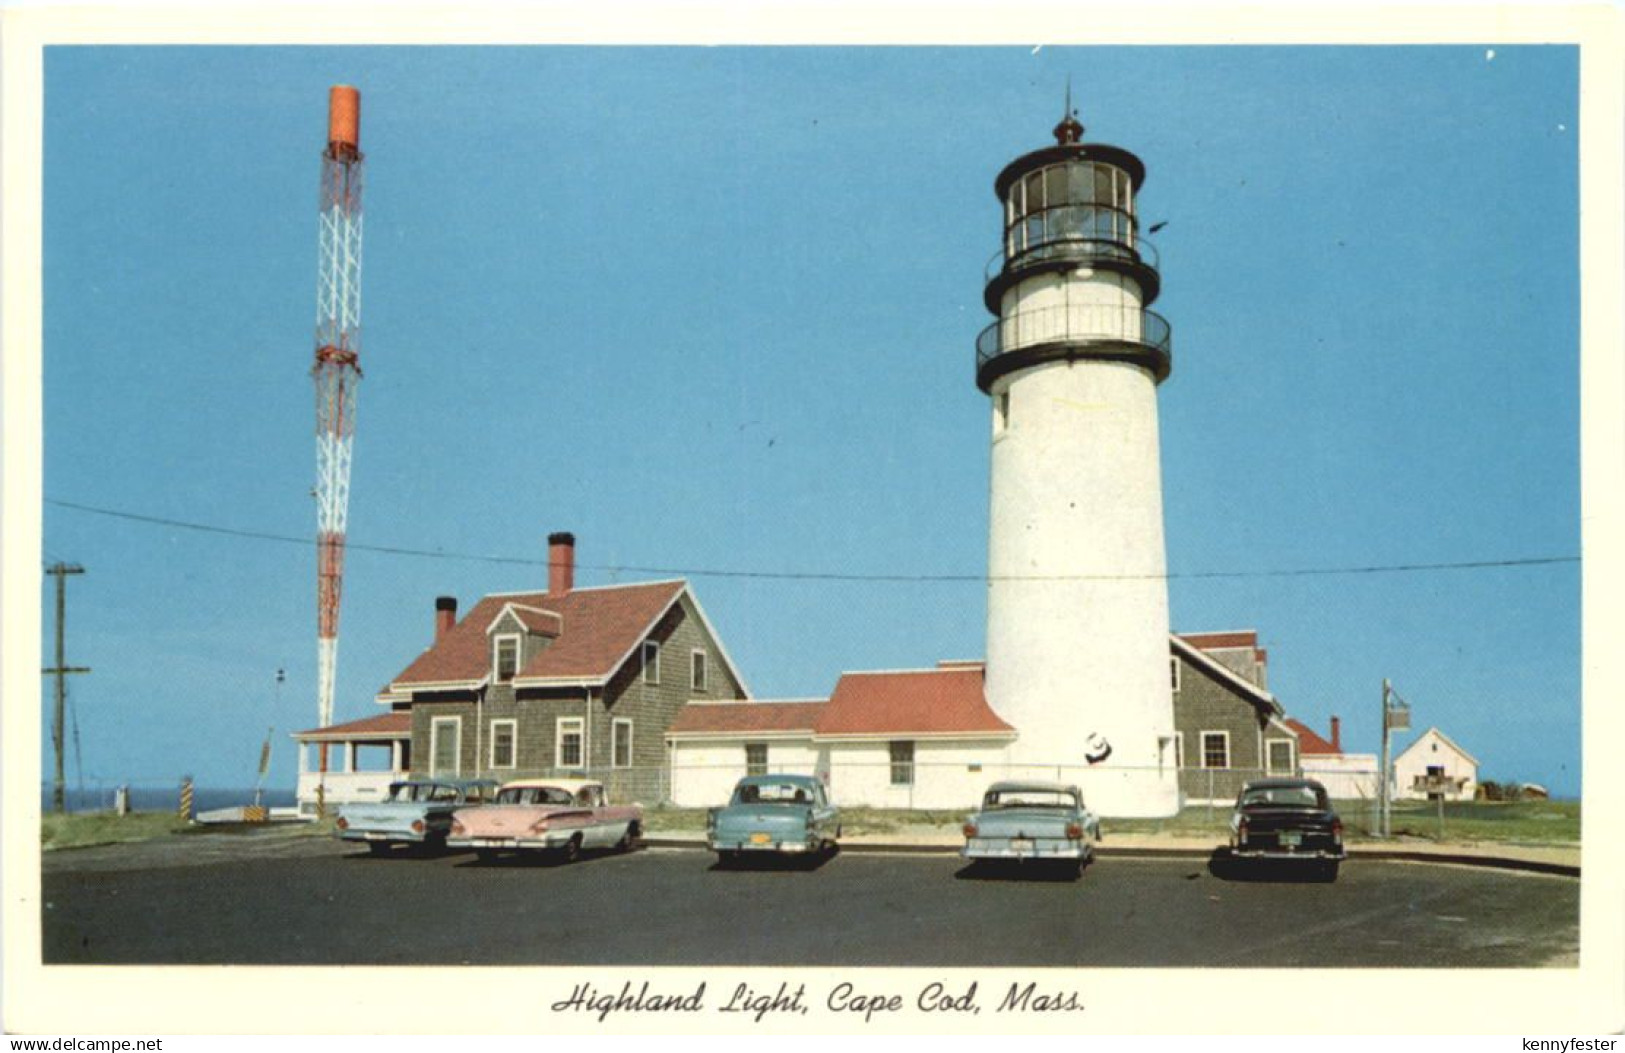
1229	727
567	680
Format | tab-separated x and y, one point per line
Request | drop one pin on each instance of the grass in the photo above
1526	822
1508	822
85	829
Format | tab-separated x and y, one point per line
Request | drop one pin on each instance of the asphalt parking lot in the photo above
314	901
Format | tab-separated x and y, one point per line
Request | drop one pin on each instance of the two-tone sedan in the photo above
564	816
1287	820
415	812
1025	822
774	814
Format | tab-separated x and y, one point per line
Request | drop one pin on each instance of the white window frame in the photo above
766	763
435	723
699	661
1291	757
1202	743
1179	750
651	670
1177	677
496	650
513	743
570	725
614	740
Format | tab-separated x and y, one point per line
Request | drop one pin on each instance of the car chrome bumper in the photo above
538	842
1073	850
763	846
381	837
1278	853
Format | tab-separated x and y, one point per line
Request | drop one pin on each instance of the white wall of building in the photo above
946	774
703	772
1429	750
1077	639
1346	776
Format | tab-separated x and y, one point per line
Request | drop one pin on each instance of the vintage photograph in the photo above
869	507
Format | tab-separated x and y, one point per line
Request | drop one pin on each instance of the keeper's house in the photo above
566	681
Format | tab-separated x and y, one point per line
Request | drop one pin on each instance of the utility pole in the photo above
60	571
1396	716
1382	797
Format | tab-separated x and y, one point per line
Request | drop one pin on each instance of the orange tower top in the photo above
344	117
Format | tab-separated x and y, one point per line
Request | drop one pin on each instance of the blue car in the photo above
1032	821
416	812
774	814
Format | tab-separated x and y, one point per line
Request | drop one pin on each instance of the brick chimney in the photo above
445	615
1337	735
561	562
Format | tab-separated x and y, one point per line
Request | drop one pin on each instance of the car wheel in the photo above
726	859
1328	871
571	850
485	855
629	839
378	848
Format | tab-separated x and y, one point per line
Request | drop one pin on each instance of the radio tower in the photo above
337	370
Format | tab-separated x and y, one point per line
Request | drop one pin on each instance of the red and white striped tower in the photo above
337	370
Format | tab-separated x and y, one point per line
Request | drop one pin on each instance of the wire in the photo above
712	572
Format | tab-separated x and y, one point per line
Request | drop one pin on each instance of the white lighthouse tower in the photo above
1077	623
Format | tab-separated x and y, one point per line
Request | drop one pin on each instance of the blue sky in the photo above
714	309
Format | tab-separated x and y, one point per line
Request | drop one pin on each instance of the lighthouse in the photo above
1077	619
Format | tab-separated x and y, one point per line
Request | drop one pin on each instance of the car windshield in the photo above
1282	797
533	795
772	793
1031	798
409	791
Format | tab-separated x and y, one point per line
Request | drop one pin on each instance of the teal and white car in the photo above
415	812
1024	822
774	814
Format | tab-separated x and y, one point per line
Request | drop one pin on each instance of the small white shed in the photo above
1431	757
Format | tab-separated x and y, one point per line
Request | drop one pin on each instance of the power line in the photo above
711	572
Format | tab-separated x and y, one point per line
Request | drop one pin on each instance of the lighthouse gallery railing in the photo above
1080	324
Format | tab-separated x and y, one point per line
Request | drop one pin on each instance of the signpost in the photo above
1396	716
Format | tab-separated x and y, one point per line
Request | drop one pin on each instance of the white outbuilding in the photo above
1434	766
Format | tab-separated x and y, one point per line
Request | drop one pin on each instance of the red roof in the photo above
1308	741
921	702
1220	641
397	723
600	627
918	702
727	718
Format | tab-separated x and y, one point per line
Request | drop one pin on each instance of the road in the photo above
313	901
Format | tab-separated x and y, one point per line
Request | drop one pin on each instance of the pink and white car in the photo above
538	815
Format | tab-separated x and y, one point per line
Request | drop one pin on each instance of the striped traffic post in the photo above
186	799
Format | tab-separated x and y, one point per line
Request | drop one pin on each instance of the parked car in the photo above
560	815
774	814
1287	819
414	812
1032	821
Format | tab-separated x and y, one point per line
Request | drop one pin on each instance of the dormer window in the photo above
505	659
651	661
